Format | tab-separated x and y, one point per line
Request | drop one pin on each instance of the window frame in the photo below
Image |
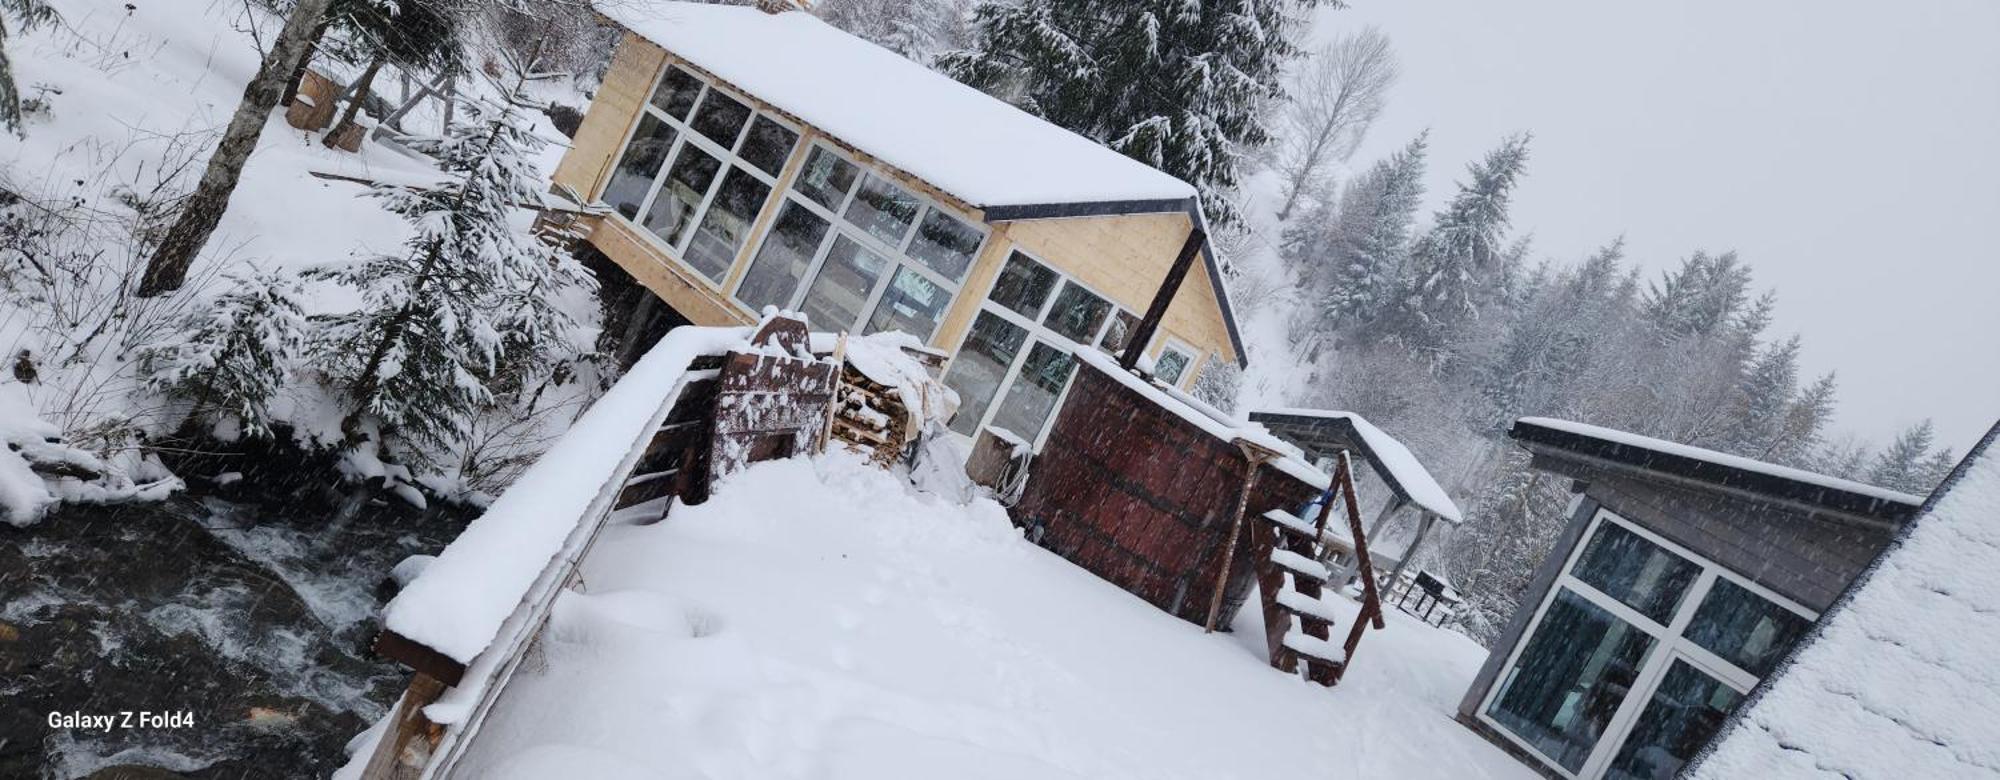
1037	332
838	225
684	133
1670	640
1194	358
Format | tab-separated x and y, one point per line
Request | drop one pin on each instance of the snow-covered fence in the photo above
702	403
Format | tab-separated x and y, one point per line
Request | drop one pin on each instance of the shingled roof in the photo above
1901	677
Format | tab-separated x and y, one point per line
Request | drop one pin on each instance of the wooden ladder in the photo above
1292	582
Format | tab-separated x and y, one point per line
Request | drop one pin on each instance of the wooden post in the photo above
1254	455
1346	477
1135	345
1423	529
395	758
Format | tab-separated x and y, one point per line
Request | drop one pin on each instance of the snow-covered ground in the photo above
819	618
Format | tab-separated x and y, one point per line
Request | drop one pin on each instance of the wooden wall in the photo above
1145	499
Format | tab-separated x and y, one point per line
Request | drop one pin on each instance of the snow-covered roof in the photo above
1211	420
956	138
1718	467
1901	677
1394	462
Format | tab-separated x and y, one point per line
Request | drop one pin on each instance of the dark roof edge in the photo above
1701	473
1191	206
1355	440
1784	666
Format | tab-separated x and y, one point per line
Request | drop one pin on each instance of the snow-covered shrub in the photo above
228	359
1219	383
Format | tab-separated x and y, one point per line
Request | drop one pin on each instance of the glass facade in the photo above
1636	657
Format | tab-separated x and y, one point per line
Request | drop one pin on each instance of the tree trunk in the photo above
168	268
361	89
305	61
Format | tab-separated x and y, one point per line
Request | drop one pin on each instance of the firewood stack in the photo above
871	418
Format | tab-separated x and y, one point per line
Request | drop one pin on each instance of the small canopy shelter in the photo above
1323	433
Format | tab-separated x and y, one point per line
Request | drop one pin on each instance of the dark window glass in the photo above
1077	314
768	144
1032	397
721	118
911	304
728	219
1686	710
643	156
826	178
945	244
1570	678
1023	285
981	363
1171	365
1120	332
883	209
1639	573
783	259
1744	628
845	280
686	183
676	93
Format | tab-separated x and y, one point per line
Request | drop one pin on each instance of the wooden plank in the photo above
402	750
419	657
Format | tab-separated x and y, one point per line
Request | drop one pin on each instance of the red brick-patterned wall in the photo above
1143	498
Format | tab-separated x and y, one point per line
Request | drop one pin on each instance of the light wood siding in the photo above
627	84
694	298
1124	257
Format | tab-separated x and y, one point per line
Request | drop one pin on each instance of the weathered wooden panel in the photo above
1145	499
768	406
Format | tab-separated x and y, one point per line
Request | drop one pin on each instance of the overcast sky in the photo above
1849	151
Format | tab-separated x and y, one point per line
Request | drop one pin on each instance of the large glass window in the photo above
1033	395
1172	365
1023	285
844	283
981	364
1077	314
1570	679
880	270
1626	567
1686	709
693	176
1744	628
1604	687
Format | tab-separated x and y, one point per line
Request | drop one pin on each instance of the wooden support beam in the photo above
1255	455
405	747
1135	346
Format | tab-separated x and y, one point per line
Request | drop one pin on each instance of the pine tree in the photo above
231	357
916	29
1767	392
440	320
1177	85
1463	250
1804	422
1902	465
1370	248
27	15
420	35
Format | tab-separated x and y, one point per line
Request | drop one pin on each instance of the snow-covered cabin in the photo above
1902	676
1682	577
736	159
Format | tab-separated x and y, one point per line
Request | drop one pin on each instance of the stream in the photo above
241	624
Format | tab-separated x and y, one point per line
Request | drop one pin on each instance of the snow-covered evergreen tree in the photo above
1903	464
1768	391
24	15
1805	422
471	291
917	29
1180	86
229	358
1464	250
1369	252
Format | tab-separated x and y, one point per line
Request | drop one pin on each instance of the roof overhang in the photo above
1323	435
1625	459
1125	208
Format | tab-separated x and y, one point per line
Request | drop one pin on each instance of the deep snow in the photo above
819	618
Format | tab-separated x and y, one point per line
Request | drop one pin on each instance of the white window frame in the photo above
1036	332
683	135
1173	344
1668	644
838	225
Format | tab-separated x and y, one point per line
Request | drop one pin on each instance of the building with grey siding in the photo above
1681	578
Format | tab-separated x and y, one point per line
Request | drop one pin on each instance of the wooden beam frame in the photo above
1142	335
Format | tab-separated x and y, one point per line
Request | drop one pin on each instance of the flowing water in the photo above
250	618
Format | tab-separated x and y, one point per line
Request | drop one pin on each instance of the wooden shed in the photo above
1143	492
